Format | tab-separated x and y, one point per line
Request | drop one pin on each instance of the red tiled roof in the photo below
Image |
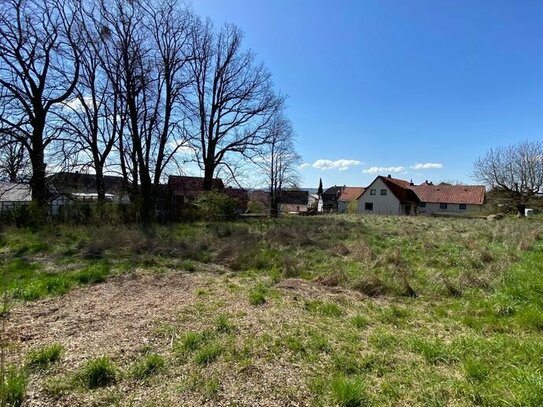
190	186
454	194
400	188
351	193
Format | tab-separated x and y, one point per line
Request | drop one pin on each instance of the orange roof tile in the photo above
351	193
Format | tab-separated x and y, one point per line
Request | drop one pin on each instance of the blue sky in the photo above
385	85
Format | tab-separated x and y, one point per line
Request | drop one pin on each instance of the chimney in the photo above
411	182
389	176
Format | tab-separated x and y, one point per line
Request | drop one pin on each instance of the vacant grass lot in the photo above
332	310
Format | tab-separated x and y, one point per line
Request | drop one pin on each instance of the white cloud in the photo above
305	165
377	170
427	166
341	165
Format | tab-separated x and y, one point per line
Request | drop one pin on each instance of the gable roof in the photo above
351	193
335	190
400	188
11	192
75	182
191	186
453	194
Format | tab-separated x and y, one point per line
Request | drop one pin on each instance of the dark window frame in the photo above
442	206
422	205
368	206
383	192
373	191
462	207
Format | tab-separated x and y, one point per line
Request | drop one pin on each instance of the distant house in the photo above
13	195
388	196
240	195
447	198
293	201
77	186
186	189
392	196
349	194
330	198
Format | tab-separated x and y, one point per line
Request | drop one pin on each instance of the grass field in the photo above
323	311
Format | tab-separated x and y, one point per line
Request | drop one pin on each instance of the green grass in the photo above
45	356
351	334
149	366
349	392
15	384
99	372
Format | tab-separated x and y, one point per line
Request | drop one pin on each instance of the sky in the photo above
418	89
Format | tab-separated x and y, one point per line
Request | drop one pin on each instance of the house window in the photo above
442	206
462	206
373	191
422	205
383	192
368	206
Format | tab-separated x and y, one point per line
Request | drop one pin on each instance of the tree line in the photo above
136	88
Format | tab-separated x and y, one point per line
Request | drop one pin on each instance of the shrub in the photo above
99	372
214	205
15	383
348	392
149	366
43	357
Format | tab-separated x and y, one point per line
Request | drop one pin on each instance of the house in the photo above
294	201
388	196
330	198
66	187
349	194
240	195
392	196
13	195
447	198
186	189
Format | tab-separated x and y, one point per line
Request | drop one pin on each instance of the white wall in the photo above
342	206
382	204
451	208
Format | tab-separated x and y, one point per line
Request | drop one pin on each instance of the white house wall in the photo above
382	204
342	206
451	208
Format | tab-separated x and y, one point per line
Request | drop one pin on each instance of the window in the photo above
368	206
383	192
422	205
442	206
373	191
462	207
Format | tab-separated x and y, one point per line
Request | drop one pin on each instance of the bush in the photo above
257	296
208	354
99	372
214	205
43	357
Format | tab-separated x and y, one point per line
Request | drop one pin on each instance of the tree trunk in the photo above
521	210
208	176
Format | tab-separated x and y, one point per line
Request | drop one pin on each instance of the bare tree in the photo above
278	160
145	56
515	170
39	68
233	98
13	162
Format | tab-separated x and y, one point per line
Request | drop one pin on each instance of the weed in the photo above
99	372
208	354
224	325
349	392
149	366
328	309
43	357
360	321
191	341
14	387
211	388
434	351
257	296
